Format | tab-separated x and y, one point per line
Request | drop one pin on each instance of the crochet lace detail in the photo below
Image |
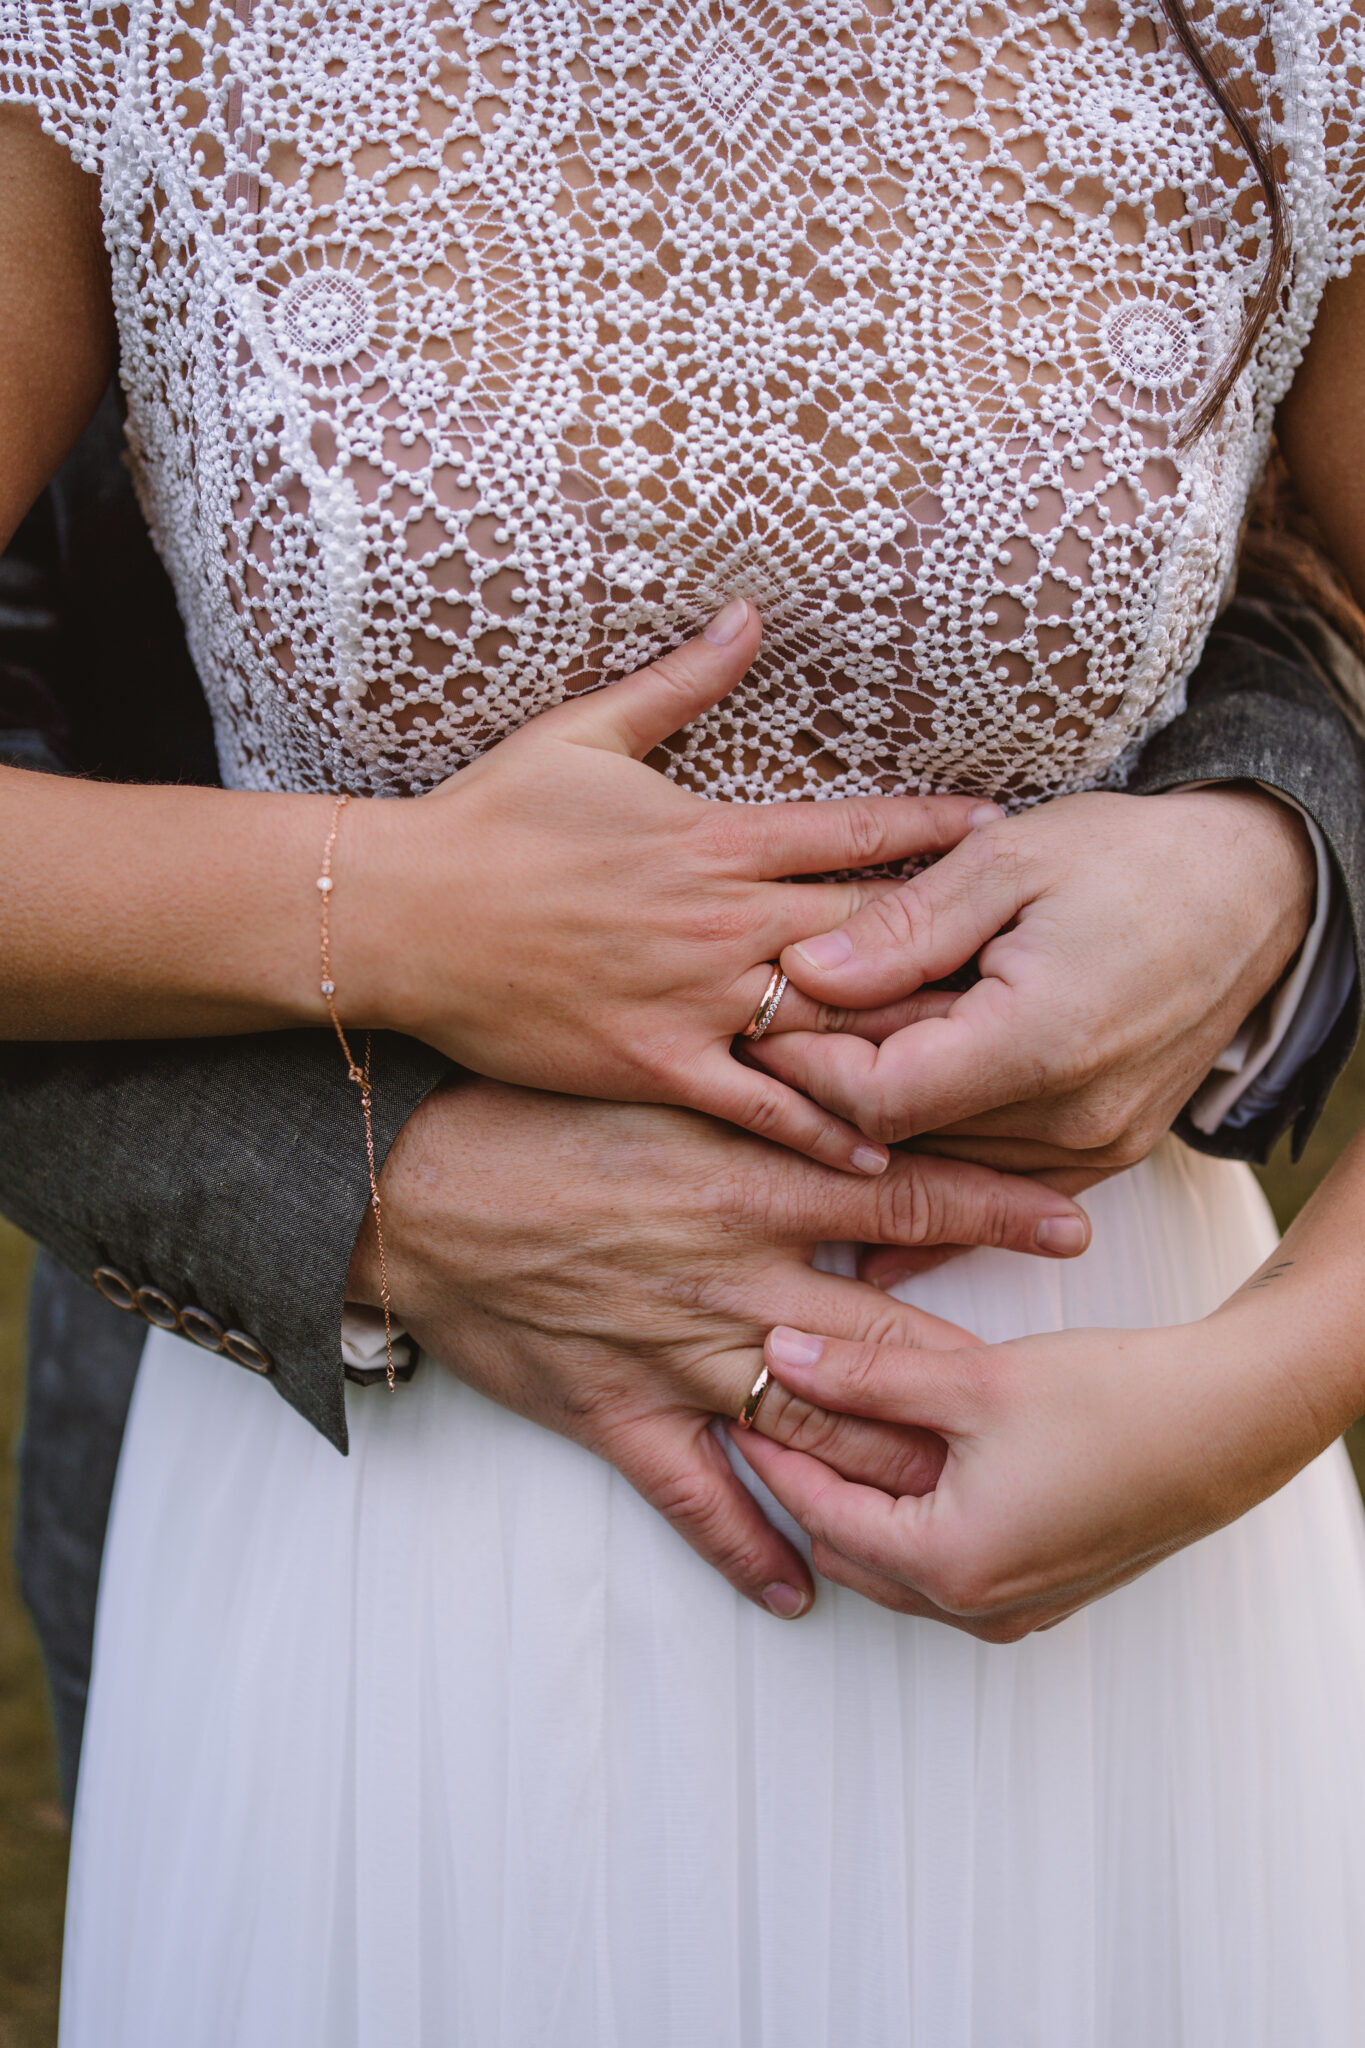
475	353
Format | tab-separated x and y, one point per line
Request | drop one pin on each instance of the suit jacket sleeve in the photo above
1279	698
229	1174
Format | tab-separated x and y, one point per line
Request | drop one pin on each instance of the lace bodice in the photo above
475	353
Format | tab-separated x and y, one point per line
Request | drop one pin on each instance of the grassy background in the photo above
32	1830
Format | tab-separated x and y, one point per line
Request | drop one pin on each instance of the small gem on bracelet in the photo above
329	988
325	883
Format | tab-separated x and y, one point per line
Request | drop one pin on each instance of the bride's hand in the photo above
1074	1462
561	915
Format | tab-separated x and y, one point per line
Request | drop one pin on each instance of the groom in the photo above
219	1184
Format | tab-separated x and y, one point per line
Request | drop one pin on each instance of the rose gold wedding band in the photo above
755	1400
767	1009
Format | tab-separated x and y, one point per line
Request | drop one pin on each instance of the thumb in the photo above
636	715
920	932
679	1467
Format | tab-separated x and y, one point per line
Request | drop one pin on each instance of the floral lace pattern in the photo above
476	352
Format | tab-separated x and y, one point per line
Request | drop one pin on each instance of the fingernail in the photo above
794	1347
788	1601
826	949
870	1159
984	814
1064	1234
728	623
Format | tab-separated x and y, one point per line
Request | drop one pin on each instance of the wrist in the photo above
414	1180
396	881
362	1278
249	951
1291	1362
370	907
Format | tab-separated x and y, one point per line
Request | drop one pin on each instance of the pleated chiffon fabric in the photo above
454	1744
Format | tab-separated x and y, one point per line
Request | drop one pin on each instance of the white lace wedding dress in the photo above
474	352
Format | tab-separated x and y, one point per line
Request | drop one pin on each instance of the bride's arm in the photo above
126	911
1076	1461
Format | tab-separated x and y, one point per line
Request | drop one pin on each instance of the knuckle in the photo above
1088	1124
965	1588
998	850
693	1503
946	1203
722	925
1003	1628
1134	1143
922	1461
884	1327
1117	1152
880	1116
673	678
827	1561
763	1210
998	1223
728	839
900	917
1149	1134
864	1363
907	1206
864	831
738	1194
764	1115
804	1428
979	1380
964	1596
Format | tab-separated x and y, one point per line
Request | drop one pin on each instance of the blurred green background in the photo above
32	1830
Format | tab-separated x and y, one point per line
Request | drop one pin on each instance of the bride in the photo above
476	355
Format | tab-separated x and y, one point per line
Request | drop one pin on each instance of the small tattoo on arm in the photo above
1275	1272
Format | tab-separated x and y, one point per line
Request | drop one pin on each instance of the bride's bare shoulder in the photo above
56	321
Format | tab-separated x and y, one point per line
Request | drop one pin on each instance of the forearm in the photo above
151	912
1300	1320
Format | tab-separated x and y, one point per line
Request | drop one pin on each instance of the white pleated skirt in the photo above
454	1744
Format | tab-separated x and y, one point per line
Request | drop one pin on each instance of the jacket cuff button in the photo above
244	1350
160	1311
202	1329
117	1290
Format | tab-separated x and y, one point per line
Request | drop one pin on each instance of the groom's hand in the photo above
610	1271
1121	942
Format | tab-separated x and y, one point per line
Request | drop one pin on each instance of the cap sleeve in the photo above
62	57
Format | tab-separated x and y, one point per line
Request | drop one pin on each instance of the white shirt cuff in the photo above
362	1337
1293	1021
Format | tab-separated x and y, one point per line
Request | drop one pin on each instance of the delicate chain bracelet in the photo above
360	1075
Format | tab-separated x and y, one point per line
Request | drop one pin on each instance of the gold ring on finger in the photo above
755	1399
767	1009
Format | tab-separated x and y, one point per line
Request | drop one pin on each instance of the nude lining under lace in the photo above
475	354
